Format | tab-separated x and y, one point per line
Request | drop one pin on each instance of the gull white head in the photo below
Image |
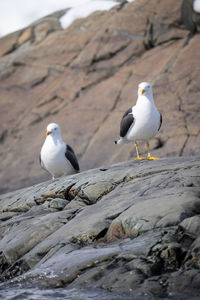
196	6
145	89
53	130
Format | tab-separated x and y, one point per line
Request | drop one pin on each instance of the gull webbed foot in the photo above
151	157
139	158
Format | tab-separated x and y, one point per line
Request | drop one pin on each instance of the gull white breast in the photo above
142	121
56	156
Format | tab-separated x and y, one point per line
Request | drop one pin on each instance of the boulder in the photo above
131	228
86	76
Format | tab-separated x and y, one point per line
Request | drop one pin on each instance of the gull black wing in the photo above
160	121
70	155
126	122
41	162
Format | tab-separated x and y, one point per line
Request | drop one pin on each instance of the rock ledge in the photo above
131	228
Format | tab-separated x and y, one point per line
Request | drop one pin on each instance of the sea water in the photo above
19	292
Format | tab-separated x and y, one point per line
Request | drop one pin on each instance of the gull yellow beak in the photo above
48	132
143	91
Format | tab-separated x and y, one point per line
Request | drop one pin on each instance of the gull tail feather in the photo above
120	141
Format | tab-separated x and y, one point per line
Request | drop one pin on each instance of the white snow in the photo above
85	10
17	14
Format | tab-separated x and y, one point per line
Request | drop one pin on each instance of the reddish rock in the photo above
86	76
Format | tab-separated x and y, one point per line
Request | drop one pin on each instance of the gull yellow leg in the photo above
149	155
137	151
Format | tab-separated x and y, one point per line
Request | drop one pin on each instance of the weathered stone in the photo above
8	43
51	194
90	73
4	216
25	36
77	202
191	225
58	203
131	228
183	279
93	192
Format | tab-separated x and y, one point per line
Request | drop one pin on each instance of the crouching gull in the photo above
56	156
142	121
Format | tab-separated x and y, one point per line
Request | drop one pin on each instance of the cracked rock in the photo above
134	230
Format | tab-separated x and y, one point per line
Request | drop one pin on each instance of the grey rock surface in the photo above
131	228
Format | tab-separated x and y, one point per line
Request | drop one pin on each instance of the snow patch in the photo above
17	14
84	10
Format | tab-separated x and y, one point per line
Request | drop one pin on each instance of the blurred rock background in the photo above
86	76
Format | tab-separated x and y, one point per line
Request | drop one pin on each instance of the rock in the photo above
8	43
191	225
88	74
58	203
7	215
189	17
131	228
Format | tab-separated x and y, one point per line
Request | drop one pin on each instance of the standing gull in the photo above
190	15
56	156
142	121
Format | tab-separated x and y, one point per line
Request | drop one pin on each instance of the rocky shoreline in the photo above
131	228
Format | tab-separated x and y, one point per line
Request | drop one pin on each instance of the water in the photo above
24	292
18	292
